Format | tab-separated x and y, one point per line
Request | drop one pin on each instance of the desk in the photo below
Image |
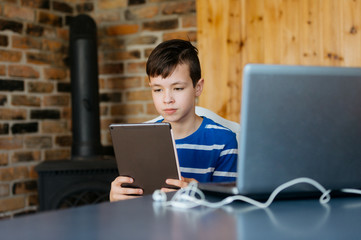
143	219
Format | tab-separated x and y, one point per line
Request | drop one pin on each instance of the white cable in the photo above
351	190
191	196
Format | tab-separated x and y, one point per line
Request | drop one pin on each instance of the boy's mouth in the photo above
169	111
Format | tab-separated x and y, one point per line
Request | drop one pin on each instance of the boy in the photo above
207	151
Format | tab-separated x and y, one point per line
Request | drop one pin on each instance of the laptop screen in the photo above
299	121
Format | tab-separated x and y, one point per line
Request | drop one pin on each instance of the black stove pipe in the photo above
84	88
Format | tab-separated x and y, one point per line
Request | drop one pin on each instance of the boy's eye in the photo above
157	90
178	89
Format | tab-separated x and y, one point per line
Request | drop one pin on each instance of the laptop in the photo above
298	121
146	152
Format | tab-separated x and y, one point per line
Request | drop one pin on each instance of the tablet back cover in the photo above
146	152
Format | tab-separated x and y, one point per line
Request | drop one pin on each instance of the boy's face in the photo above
174	96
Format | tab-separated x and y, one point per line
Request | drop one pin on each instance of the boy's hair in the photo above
169	54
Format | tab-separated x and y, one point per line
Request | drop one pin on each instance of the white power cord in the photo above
192	196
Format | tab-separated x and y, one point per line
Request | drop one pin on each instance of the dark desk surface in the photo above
143	219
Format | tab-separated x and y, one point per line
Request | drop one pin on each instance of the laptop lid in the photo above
299	121
146	152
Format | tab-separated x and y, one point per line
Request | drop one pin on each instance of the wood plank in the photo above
212	28
254	31
290	48
331	30
273	31
351	32
310	33
235	47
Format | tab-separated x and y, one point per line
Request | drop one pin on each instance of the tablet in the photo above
147	153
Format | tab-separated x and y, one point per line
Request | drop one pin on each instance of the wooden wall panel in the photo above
232	33
220	50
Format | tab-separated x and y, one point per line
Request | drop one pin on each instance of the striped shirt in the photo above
209	154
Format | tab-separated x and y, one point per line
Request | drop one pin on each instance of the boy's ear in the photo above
199	87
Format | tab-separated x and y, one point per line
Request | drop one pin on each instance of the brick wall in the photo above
35	114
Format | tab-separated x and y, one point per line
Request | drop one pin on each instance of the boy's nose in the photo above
168	97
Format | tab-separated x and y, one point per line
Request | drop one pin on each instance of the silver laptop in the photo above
298	121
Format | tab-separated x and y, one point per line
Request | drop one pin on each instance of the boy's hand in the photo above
117	192
177	183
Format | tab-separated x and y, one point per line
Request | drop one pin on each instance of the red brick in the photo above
49	19
136	119
56	59
189	21
10	56
141	95
112	68
12	114
126	109
143	40
39	58
161	25
25	156
136	67
55	73
146	83
25	100
32	173
57	154
3	99
151	110
66	113
62	33
104	123
157	1
40	87
10	143
2	70
185	35
23	71
85	7
10	204
44	4
38	142
33	200
50	32
147	52
4	40
64	141
111	44
53	45
141	12
12	11
57	100
4	190
4	159
106	139
54	127
108	16
124	83
121	55
62	7
179	7
111	4
23	187
13	173
123	29
26	42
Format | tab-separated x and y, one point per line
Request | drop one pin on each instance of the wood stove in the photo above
86	177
